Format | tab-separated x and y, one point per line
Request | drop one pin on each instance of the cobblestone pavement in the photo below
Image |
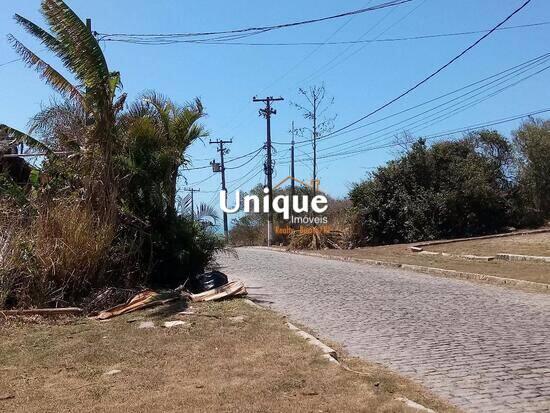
483	348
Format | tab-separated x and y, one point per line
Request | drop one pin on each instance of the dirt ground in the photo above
213	363
529	244
534	244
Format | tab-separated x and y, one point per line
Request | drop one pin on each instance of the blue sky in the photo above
360	78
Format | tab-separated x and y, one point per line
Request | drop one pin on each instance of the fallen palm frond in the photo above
232	289
145	299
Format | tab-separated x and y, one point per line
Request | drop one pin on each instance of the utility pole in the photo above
292	182
221	168
315	98
292	172
266	113
192	192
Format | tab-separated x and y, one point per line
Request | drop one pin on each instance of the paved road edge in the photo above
488	279
330	355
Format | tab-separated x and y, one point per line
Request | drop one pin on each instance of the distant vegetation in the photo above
480	184
476	185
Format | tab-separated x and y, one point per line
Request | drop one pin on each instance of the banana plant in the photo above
94	88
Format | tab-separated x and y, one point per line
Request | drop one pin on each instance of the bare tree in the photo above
315	109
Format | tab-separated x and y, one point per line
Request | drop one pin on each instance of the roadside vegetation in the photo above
100	209
482	183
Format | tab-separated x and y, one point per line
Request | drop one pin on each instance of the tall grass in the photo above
57	259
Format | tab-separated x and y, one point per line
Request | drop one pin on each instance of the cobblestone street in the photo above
481	347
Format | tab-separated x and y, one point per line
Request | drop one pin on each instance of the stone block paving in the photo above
484	348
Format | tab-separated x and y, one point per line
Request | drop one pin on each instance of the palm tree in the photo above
207	215
95	91
204	214
176	128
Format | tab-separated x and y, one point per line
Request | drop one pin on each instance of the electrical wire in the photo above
228	161
512	70
247	162
439	134
433	74
203	181
459	101
373	40
338	59
261	28
423	123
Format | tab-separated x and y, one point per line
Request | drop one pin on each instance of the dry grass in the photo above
213	364
56	258
315	238
528	244
529	271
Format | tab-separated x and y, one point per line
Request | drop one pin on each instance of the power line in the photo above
432	75
481	90
423	122
337	60
261	29
239	181
439	134
311	53
509	71
374	40
247	162
197	168
244	156
203	181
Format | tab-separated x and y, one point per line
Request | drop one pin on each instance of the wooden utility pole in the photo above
192	192
266	113
222	152
292	182
315	103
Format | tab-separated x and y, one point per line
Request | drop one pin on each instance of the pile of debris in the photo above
210	286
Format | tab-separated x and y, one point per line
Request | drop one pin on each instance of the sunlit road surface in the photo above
483	348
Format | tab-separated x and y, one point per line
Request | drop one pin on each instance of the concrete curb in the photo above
414	405
331	355
469	257
328	352
419	247
489	279
517	257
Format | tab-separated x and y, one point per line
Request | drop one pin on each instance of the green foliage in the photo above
532	142
454	188
181	249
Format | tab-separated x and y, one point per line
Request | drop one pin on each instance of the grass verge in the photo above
528	271
215	362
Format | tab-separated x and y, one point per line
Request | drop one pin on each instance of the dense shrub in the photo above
532	143
451	189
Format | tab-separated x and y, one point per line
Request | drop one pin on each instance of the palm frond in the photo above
61	125
20	137
46	72
81	52
46	38
163	107
205	211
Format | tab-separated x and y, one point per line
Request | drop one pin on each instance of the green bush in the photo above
451	189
